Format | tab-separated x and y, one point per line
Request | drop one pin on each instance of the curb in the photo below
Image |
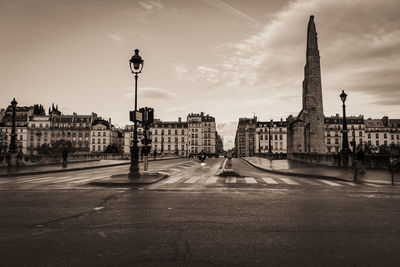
315	176
71	169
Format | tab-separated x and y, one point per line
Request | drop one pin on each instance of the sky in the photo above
227	58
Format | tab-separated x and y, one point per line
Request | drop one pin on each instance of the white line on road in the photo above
172	180
374	185
211	180
230	180
269	181
193	180
250	180
330	183
309	182
289	181
90	179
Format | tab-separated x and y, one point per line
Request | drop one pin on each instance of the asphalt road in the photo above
196	218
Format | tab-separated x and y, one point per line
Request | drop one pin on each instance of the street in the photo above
194	217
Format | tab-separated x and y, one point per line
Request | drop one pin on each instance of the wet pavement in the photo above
295	167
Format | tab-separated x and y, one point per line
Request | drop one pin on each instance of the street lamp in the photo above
136	66
345	141
269	137
13	144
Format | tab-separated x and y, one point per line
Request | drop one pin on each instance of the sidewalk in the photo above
72	166
296	168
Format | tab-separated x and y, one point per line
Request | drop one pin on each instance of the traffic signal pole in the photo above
146	155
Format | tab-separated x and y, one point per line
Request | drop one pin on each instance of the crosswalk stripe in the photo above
250	180
212	180
90	179
72	179
269	181
309	182
193	180
172	180
374	185
330	183
230	180
289	181
27	180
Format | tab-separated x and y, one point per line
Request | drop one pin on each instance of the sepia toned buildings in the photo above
260	137
184	138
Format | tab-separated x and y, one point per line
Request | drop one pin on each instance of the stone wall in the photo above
372	161
52	159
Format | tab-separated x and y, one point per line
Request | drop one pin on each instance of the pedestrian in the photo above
155	154
65	157
360	160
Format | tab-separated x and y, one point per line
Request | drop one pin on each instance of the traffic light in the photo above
150	115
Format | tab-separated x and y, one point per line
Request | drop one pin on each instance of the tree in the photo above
113	148
60	146
44	149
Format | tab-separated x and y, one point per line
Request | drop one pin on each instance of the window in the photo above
93	140
328	141
93	148
369	142
183	139
377	142
183	131
385	135
360	133
169	147
176	131
336	141
369	136
155	131
385	142
377	135
169	131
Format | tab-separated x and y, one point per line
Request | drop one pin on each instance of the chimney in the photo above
179	119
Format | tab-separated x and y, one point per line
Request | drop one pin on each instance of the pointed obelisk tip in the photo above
312	18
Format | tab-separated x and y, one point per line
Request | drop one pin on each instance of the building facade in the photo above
271	133
245	137
102	134
73	128
383	131
333	132
185	138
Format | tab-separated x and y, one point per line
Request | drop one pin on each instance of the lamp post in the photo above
345	140
259	142
162	143
13	144
269	138
136	66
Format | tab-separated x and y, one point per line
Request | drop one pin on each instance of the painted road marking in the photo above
374	185
193	180
212	180
269	181
330	183
230	180
309	182
172	180
250	180
289	181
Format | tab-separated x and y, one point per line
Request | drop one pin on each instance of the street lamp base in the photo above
134	175
13	161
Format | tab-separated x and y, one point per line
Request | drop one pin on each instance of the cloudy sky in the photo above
228	58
